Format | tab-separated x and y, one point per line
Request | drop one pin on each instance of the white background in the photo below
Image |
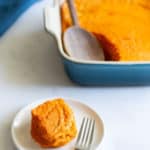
30	69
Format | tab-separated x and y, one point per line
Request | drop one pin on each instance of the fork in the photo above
85	136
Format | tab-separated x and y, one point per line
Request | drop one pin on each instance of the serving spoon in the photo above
79	43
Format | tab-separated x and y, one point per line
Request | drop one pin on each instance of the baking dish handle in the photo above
52	21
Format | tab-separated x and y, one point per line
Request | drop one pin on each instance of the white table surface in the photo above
30	69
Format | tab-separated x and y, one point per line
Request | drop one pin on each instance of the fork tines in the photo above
85	136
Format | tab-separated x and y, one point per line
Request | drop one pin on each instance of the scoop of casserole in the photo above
53	124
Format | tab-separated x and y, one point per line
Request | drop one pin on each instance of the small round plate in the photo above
20	129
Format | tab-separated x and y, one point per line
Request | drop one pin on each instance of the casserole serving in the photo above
95	72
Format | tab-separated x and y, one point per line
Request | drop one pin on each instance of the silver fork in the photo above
85	136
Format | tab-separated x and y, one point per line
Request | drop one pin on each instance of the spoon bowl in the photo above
82	45
79	43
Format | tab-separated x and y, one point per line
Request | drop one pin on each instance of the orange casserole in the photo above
53	124
121	26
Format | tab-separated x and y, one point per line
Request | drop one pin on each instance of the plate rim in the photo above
41	100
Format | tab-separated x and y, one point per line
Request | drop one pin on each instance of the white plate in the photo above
20	129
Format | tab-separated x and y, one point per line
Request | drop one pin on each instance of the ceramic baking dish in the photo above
95	72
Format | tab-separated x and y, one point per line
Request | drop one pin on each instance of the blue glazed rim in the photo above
106	63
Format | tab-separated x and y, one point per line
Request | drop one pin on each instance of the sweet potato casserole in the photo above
121	26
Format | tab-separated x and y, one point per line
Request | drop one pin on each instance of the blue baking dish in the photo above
95	72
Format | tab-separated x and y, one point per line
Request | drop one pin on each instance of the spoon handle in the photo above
73	12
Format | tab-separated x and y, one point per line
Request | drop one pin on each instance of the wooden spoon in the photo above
79	43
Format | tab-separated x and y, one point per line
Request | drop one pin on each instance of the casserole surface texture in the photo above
122	26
